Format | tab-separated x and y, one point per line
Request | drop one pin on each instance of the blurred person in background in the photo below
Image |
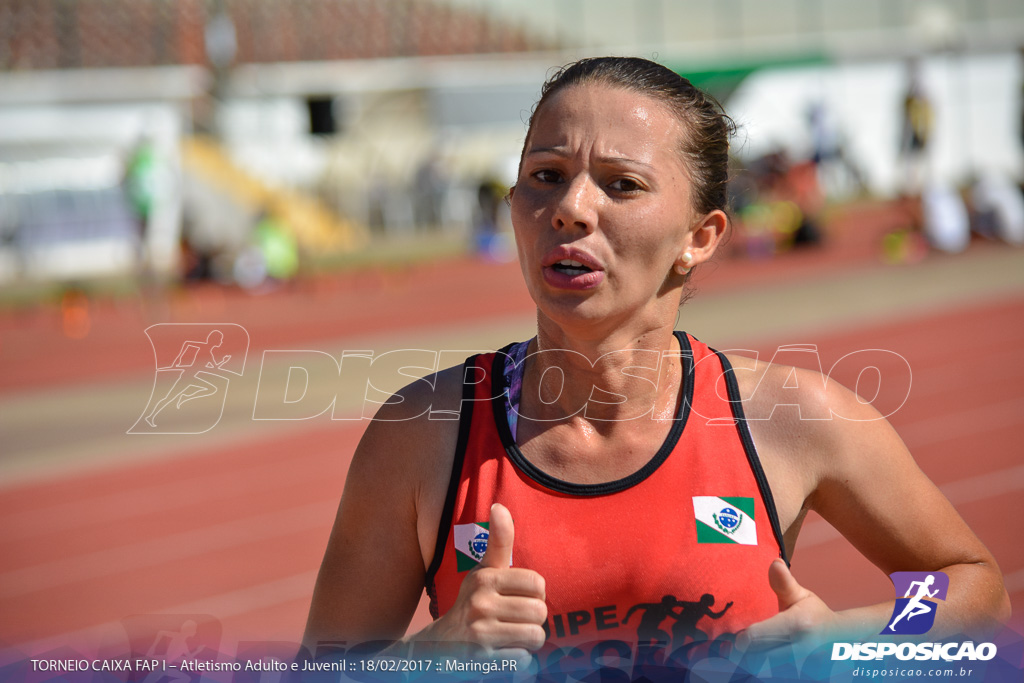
489	241
781	204
997	208
944	218
271	257
932	214
430	186
836	172
141	180
610	464
918	120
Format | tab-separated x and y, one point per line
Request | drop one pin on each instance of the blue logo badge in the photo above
728	520
478	546
914	612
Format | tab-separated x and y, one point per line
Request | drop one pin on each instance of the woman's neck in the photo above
604	380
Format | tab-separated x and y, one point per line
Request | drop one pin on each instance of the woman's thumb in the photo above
501	534
785	586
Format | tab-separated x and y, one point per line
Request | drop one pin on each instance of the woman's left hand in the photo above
801	613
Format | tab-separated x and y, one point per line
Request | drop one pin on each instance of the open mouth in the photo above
571	268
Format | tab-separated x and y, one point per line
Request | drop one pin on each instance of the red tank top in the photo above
673	555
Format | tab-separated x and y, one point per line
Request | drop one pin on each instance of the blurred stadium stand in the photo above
353	120
86	84
62	34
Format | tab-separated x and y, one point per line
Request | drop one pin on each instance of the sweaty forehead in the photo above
609	119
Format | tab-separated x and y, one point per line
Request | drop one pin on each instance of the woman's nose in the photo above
577	205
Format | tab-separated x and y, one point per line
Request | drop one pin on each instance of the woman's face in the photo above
602	208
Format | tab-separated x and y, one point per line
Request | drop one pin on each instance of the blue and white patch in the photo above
725	519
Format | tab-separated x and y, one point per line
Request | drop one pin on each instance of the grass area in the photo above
393	252
380	253
28	294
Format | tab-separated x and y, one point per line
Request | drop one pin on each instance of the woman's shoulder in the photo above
807	422
797	397
422	417
395	490
407	453
813	436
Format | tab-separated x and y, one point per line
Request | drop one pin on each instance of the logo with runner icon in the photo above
194	366
914	612
173	640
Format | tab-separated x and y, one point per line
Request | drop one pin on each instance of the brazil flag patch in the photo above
725	519
470	544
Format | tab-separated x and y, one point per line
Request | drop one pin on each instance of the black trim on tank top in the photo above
604	488
748	445
465	422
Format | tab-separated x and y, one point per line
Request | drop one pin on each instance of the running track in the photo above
237	531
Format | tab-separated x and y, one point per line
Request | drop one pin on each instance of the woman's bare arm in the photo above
373	571
855	471
385	533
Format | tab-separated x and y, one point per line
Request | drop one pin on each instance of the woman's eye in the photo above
626	185
546	176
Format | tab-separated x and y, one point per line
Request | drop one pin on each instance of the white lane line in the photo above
984	486
150	498
922	433
981	487
1014	581
250	599
157	551
937	378
221	606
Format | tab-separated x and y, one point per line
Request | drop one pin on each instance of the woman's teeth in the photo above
570	267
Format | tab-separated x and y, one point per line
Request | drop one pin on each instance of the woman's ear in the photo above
705	237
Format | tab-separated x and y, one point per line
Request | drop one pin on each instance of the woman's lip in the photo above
582	281
567	253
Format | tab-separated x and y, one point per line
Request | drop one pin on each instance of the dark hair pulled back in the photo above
704	147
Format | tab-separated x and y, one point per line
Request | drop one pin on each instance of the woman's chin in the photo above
582	316
593	316
571	308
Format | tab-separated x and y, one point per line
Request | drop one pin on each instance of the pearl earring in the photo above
683	270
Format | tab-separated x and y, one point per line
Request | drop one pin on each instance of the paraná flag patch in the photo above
470	544
725	519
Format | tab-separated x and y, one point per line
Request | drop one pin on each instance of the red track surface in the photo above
141	539
237	531
34	352
964	423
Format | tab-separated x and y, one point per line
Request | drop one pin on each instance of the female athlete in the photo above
612	481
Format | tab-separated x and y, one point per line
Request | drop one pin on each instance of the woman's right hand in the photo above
500	609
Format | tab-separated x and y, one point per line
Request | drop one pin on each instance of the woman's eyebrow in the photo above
564	153
557	151
624	160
